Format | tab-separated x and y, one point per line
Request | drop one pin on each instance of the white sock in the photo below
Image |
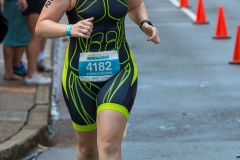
40	56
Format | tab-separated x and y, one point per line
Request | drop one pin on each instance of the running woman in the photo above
100	75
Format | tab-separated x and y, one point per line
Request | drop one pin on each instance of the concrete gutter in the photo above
35	131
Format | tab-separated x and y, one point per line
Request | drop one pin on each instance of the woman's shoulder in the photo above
72	4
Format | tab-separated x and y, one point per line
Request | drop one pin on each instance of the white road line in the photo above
160	24
175	3
125	132
188	12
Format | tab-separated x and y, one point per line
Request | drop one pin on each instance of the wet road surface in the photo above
187	105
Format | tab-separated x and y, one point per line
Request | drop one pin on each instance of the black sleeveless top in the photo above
108	29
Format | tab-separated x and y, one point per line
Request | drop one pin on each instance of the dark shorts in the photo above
34	6
86	99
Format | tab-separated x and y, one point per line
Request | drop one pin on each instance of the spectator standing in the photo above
15	41
31	9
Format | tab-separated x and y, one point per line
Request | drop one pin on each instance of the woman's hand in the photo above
22	4
83	28
151	32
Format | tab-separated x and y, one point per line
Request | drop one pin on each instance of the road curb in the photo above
34	132
23	142
42	95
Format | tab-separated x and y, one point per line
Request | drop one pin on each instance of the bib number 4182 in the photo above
99	66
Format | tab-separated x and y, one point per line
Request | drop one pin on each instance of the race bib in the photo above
98	66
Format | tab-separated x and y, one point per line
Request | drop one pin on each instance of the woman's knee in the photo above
108	144
111	126
87	151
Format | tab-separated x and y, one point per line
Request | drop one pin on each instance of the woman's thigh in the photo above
118	93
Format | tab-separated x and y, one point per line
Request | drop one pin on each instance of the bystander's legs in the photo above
33	50
11	55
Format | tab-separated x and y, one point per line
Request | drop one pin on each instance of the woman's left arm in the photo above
137	12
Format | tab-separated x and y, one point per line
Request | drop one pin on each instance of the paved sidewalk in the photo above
24	114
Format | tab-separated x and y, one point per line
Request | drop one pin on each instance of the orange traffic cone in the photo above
184	3
236	56
201	16
221	30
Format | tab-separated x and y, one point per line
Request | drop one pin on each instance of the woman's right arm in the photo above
48	26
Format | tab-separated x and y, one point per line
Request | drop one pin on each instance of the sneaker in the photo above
43	67
20	70
38	79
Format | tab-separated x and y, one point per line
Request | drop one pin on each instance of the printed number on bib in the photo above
101	66
98	66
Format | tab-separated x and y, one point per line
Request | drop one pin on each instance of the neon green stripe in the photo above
74	98
84	128
64	72
127	55
87	116
123	79
75	50
135	72
73	87
81	105
84	90
86	7
113	106
123	3
108	9
107	95
93	85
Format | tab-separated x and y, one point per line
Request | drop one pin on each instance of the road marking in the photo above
133	25
125	132
187	11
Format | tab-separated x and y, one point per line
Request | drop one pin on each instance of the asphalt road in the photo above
187	105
